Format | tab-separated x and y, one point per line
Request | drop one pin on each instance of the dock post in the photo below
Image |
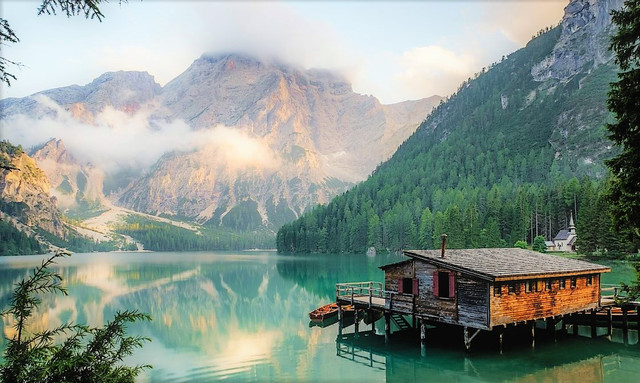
533	334
356	324
423	338
340	313
574	323
625	325
500	336
594	328
609	322
387	326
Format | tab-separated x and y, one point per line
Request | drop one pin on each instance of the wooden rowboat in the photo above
328	311
324	312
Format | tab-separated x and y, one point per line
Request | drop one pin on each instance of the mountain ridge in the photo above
497	162
253	139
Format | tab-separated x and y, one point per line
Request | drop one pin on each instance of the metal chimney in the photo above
444	244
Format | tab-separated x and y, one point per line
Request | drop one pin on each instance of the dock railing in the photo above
609	291
349	291
375	295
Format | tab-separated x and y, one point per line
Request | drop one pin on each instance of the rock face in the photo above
584	41
271	139
74	185
581	64
126	91
24	192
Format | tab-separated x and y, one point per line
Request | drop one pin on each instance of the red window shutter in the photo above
452	284
400	285
415	286
435	283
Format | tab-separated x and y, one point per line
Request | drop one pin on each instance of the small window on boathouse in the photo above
497	290
589	280
408	286
444	284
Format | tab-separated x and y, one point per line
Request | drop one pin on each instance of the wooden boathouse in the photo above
479	289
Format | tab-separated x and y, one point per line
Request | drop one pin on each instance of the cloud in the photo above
268	30
235	149
519	20
117	140
433	70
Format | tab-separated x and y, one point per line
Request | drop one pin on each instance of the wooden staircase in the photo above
402	323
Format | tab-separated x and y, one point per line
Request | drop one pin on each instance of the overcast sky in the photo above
393	50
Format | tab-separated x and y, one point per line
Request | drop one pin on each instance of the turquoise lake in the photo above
243	316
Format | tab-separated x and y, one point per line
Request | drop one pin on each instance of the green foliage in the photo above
520	245
82	354
244	216
78	243
15	242
539	244
632	290
160	236
624	194
485	165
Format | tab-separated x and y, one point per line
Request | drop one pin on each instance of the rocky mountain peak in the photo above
583	43
25	192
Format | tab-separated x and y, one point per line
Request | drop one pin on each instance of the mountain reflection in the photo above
244	316
213	316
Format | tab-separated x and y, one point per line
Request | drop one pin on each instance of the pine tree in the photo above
84	354
624	102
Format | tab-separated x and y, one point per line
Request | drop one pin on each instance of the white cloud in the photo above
117	140
519	20
433	70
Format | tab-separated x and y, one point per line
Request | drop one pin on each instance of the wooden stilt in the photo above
609	322
423	338
533	334
357	322
625	325
467	342
500	336
340	312
387	326
594	328
574	323
468	338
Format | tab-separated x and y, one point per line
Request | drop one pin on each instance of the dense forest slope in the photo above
510	156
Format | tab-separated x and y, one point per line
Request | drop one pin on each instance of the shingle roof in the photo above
504	264
562	234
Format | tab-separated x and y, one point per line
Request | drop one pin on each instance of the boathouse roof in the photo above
505	264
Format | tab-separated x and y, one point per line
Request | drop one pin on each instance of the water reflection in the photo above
572	359
243	316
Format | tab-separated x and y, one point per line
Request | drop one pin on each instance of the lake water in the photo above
244	317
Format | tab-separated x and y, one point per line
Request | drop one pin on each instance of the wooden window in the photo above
589	280
497	290
527	286
444	284
562	283
512	287
547	284
408	286
573	282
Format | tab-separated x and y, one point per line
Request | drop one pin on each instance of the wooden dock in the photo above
371	297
